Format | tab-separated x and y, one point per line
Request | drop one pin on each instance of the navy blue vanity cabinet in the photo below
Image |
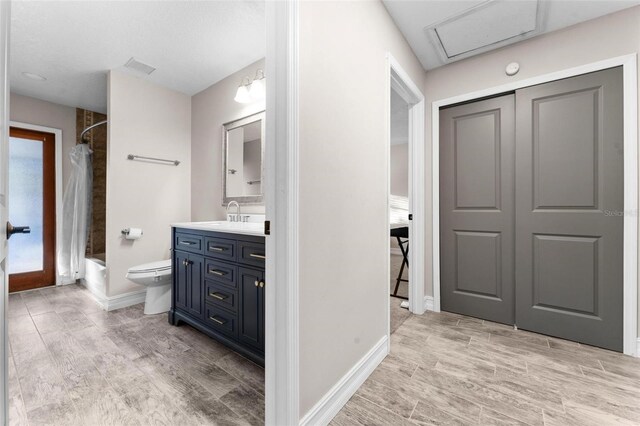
251	304
187	278
218	287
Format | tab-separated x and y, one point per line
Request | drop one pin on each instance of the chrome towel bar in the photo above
160	160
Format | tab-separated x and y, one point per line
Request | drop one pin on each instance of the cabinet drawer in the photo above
220	248
221	272
221	296
251	253
188	242
222	320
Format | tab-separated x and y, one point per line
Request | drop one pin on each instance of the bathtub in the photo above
95	276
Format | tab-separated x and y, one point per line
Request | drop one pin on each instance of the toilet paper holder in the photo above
125	232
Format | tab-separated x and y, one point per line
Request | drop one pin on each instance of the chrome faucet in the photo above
237	217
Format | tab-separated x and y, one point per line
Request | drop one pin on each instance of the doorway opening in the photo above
399	209
405	202
32	197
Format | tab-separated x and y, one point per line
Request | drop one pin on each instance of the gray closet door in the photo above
569	201
477	209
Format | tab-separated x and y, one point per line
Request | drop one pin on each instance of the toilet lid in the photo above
162	265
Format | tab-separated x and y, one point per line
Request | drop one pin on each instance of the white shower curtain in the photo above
76	215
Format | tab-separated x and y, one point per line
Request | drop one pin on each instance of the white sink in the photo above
245	228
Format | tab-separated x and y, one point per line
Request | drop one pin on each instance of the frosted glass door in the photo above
26	204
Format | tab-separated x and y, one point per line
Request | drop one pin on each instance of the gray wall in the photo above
400	169
210	109
344	241
144	119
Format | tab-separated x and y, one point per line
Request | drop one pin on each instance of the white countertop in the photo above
243	228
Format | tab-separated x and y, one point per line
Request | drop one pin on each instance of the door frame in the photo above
399	81
59	189
630	224
281	193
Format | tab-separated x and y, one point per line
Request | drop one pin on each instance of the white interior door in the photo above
5	11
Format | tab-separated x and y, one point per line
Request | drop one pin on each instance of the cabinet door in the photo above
261	319
195	286
181	279
250	308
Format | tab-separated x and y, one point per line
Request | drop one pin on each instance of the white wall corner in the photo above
428	303
333	401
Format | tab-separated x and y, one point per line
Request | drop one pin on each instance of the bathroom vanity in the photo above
218	283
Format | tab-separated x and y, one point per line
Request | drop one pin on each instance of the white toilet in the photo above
156	276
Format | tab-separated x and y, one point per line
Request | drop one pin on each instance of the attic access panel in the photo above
485	27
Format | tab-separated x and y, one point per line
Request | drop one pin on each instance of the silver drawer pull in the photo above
257	256
221	322
216	272
217	248
187	243
219	296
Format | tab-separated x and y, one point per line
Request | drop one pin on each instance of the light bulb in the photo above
257	90
242	95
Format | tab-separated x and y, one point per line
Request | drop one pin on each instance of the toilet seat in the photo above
156	277
153	269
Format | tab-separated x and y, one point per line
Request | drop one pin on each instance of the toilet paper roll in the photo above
133	234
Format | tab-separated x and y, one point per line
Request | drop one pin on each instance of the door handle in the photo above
16	230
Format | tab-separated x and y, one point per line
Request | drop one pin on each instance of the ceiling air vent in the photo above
139	67
492	24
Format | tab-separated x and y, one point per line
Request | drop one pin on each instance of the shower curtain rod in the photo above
99	123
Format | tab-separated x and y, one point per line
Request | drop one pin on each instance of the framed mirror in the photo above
243	152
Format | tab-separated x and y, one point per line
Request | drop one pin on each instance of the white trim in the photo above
58	160
282	368
333	401
638	347
115	302
401	82
5	35
630	242
428	303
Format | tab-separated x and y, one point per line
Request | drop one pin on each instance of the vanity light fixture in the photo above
257	87
251	91
242	94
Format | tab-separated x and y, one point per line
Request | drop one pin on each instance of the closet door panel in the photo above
569	204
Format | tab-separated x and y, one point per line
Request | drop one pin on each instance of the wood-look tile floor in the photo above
73	364
447	369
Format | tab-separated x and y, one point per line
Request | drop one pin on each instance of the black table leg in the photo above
405	262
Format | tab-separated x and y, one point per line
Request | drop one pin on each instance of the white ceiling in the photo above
192	44
491	21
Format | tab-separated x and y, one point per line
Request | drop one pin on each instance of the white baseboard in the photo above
395	251
116	302
637	355
428	303
127	299
333	401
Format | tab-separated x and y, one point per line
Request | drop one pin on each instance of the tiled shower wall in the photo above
98	142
